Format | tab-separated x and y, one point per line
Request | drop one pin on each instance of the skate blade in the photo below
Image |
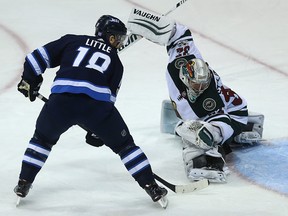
18	201
163	202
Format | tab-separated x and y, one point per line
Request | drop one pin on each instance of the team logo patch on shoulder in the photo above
179	62
209	104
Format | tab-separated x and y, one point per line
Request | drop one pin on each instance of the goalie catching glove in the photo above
199	133
152	26
30	88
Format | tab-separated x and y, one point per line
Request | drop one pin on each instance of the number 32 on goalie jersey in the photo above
182	51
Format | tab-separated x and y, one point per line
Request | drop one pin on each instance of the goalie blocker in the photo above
252	133
152	26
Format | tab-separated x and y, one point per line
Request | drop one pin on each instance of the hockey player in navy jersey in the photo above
208	115
83	92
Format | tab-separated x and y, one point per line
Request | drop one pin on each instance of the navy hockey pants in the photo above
65	110
102	118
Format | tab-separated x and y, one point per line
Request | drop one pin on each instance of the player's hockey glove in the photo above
93	140
30	88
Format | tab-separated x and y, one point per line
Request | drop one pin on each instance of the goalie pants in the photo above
102	118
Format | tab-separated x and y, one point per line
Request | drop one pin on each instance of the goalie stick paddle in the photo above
133	38
193	186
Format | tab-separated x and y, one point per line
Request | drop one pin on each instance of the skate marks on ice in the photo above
264	164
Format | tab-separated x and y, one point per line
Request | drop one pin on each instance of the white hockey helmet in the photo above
196	76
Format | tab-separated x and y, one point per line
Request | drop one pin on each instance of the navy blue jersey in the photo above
88	65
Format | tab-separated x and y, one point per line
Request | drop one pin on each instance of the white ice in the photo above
245	41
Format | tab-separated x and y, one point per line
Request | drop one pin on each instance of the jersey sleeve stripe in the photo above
34	64
44	56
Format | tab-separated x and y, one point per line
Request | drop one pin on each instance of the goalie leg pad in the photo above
254	130
154	27
257	121
204	165
168	120
208	167
192	158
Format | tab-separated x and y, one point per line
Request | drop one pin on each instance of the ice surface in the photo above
244	41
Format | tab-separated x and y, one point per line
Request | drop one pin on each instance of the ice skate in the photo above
157	194
22	189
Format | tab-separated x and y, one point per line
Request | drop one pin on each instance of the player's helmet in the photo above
108	25
196	76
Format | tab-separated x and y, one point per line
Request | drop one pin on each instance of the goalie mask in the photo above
108	25
196	76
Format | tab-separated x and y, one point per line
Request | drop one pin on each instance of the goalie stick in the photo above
133	38
193	186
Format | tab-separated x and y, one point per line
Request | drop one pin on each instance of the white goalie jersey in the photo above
181	44
217	101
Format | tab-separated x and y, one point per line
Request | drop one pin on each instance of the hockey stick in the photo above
193	186
175	6
42	97
133	38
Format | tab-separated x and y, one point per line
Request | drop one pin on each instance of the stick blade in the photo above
194	186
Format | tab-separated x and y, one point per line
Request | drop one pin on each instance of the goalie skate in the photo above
212	175
248	137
